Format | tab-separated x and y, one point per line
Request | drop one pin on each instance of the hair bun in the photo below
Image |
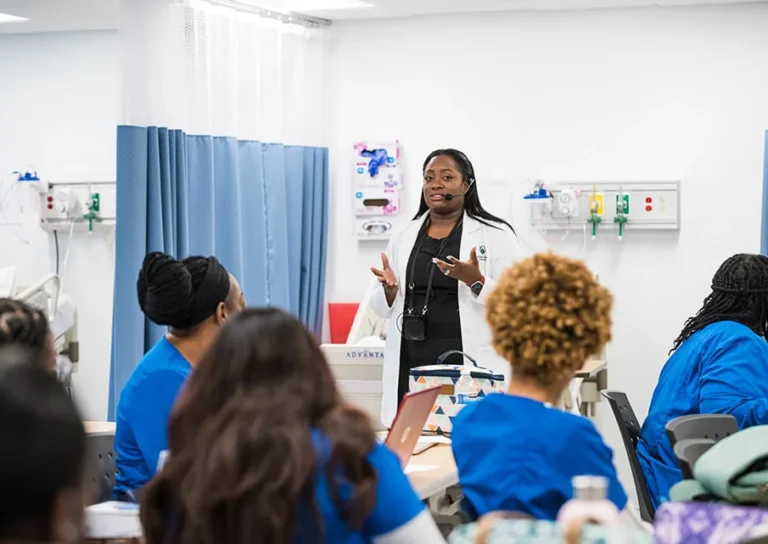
165	289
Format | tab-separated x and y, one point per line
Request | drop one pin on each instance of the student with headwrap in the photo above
193	298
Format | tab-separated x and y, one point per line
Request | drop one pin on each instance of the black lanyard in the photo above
431	276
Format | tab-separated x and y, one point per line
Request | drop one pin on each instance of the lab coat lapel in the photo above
406	244
471	236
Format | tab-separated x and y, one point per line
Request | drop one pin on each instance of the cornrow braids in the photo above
739	294
23	325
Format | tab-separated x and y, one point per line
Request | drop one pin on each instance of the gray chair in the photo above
102	467
706	426
629	427
688	452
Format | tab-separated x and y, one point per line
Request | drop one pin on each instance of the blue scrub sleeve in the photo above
734	380
396	501
149	419
586	454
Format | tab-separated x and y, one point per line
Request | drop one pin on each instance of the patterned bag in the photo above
446	406
495	529
702	523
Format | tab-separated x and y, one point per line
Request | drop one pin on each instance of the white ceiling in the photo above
59	15
407	8
69	15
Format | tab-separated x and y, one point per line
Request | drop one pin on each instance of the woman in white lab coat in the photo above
436	275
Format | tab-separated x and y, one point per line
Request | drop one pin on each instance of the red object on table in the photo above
341	315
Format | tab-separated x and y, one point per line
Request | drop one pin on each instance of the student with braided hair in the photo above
719	365
23	325
193	298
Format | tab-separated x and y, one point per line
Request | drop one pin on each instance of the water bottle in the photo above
590	500
465	389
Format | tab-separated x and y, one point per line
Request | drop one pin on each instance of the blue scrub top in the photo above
142	415
721	369
518	454
396	502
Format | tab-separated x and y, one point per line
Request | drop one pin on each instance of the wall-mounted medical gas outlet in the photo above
60	203
87	205
568	202
614	205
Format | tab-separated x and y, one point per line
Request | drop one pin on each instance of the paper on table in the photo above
419	468
430	439
437	439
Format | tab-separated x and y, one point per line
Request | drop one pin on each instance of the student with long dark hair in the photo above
193	298
264	450
436	275
42	453
719	365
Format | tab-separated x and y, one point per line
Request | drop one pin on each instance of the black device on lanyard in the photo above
414	319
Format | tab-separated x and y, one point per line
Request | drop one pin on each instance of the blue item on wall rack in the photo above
378	159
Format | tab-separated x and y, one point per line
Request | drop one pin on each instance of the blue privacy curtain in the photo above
764	237
261	209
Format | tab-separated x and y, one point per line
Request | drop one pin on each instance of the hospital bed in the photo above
46	295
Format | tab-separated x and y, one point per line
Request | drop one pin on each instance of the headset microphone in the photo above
450	197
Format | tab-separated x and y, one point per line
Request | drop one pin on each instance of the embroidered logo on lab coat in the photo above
482	253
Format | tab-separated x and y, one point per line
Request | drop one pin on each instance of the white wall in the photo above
612	95
656	93
59	108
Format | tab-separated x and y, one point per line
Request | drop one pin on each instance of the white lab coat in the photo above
497	248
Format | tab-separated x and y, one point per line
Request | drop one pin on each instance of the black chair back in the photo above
101	455
689	451
629	427
706	426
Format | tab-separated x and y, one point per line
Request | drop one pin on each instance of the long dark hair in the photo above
258	418
471	200
739	293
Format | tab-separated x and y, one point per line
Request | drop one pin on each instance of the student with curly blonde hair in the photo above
515	451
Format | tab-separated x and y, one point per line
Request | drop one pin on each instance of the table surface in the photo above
591	368
444	475
98	427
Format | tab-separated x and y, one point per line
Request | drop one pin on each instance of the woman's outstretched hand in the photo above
387	279
464	271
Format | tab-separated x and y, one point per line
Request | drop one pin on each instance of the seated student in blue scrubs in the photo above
264	450
719	365
516	451
193	297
